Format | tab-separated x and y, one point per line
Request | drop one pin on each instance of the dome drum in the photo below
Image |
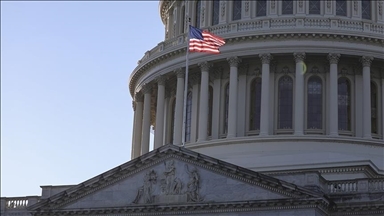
306	75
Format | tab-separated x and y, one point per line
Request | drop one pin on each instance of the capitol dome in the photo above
298	86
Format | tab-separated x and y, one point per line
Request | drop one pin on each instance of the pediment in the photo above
172	175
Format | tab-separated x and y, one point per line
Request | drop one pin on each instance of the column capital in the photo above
139	97
265	58
299	57
333	58
161	80
146	89
180	72
233	61
366	61
204	66
134	105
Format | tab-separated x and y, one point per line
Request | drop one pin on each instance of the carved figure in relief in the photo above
146	191
171	184
193	185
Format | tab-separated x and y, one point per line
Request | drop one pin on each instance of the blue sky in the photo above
66	112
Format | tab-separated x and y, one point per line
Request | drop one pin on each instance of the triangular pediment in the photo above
172	175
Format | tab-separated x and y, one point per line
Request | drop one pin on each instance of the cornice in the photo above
160	155
288	138
198	208
180	49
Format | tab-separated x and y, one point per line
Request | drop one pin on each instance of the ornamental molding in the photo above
222	8
333	58
265	58
234	61
366	61
285	71
147	88
255	72
198	208
299	57
161	80
172	152
204	66
151	62
139	97
179	72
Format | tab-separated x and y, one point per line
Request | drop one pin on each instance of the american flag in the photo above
203	41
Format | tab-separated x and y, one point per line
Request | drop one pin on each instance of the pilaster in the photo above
204	97
299	94
265	95
366	62
333	104
233	82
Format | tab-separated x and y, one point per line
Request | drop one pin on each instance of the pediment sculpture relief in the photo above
170	188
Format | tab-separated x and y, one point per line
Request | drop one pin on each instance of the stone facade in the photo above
239	156
178	181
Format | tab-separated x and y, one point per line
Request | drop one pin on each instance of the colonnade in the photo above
142	105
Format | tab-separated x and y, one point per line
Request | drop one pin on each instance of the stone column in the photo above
178	121
133	129
159	129
232	111
366	62
147	90
216	74
138	122
264	110
299	94
333	94
204	97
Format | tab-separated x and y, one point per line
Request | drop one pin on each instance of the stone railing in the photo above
356	186
375	185
18	203
342	186
273	26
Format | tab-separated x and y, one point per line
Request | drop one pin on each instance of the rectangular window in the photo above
366	9
287	7
314	6
261	8
215	14
341	7
236	13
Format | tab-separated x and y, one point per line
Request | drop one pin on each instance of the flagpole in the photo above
185	86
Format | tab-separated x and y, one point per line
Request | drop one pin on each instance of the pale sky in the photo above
66	112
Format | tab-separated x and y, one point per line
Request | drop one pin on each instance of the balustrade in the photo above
273	24
376	185
342	187
18	203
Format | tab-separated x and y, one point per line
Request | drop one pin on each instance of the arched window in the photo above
226	101
314	6
215	12
255	104
188	117
374	108
287	7
315	103
236	12
366	9
341	7
197	9
344	104
172	119
210	104
285	101
261	8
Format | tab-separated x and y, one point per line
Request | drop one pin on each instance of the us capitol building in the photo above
287	120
